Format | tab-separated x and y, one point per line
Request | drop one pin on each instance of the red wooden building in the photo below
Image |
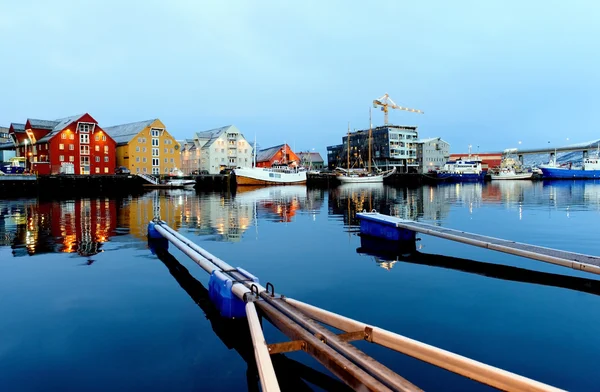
71	145
281	154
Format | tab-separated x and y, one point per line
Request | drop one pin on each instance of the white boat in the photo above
354	177
510	174
181	183
276	175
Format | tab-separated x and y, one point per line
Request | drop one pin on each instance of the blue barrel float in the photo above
219	292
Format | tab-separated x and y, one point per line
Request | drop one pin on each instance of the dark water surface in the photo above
86	306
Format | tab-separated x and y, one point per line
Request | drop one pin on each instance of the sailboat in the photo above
348	176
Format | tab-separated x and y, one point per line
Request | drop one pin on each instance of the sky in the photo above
489	74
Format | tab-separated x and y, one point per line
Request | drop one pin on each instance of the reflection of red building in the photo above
274	155
488	160
285	210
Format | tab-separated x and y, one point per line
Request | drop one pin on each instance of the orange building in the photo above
281	154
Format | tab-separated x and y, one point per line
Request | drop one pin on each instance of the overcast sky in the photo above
486	73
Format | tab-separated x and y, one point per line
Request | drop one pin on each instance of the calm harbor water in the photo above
86	305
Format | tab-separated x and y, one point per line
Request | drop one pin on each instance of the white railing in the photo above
149	178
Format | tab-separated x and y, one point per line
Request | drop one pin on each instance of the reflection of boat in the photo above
276	175
388	253
281	202
181	183
15	165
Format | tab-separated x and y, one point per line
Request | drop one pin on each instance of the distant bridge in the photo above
586	146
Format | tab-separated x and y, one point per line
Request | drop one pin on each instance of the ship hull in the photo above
355	180
556	173
461	177
261	176
516	176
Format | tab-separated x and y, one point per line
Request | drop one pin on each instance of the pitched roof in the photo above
122	134
268	153
313	156
42	124
17	127
212	134
62	123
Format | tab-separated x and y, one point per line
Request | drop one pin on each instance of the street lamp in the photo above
25	153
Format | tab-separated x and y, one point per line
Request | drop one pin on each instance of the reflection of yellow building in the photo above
145	147
142	210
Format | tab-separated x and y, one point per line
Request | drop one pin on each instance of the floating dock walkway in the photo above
237	294
392	228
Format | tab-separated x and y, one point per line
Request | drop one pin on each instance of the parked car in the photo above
122	170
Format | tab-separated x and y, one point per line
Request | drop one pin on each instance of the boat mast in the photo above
348	152
254	164
370	131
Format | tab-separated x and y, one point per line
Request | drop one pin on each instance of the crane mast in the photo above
386	102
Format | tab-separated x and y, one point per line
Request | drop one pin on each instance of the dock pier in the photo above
392	228
237	294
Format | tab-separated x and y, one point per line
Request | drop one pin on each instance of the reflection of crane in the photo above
386	102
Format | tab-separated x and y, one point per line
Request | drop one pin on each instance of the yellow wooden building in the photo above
145	147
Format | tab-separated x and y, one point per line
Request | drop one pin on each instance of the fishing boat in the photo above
463	169
181	183
510	168
281	173
15	165
589	169
362	176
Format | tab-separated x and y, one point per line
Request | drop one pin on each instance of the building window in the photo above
172	151
103	138
145	170
97	148
105	159
173	160
156	170
71	158
155	142
155	132
97	138
84	127
139	139
97	159
63	135
61	158
166	160
61	146
71	147
97	170
137	149
144	160
106	149
71	136
155	162
144	149
166	150
155	152
84	149
137	169
137	159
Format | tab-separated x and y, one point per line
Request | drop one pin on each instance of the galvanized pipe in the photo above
378	370
268	379
470	368
594	269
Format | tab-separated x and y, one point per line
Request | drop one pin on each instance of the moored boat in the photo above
15	165
364	177
589	170
510	174
276	175
462	170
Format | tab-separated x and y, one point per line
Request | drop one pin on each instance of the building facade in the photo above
312	160
215	150
391	146
281	154
432	154
74	145
145	147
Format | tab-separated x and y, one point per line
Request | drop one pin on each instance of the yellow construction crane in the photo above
386	102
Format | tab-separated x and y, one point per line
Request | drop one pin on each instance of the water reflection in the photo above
82	225
73	226
235	334
386	254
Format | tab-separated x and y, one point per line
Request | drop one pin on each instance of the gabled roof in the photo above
42	124
62	123
268	153
212	134
17	127
313	156
122	134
